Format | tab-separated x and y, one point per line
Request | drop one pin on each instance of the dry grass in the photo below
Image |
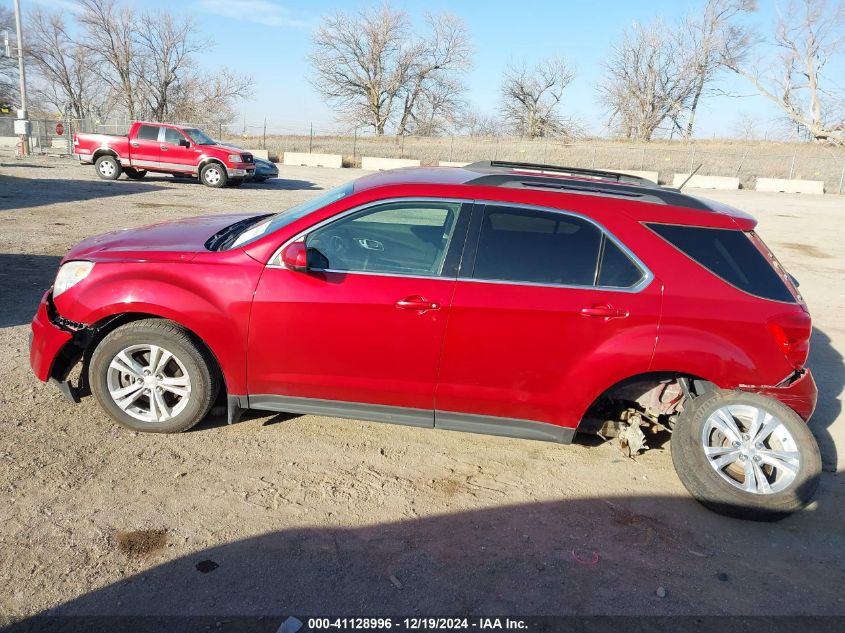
745	159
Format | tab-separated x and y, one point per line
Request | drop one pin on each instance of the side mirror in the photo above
295	257
184	143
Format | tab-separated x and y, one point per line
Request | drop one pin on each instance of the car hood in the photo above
177	240
229	148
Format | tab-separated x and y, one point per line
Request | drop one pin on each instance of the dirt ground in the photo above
312	515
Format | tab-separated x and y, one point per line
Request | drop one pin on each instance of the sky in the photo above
270	40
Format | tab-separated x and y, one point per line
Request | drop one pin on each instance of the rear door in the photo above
365	323
174	155
547	305
145	148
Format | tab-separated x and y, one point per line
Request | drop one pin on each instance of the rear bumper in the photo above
46	342
800	394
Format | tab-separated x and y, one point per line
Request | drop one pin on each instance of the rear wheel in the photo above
107	167
746	455
151	376
213	175
135	174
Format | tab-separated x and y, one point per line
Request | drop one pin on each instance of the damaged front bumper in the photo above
798	392
55	346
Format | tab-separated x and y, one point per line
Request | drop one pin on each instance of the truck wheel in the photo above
135	174
151	376
107	167
746	456
213	175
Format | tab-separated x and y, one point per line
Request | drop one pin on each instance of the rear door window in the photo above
730	255
148	133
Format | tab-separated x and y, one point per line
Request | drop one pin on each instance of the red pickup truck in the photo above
161	147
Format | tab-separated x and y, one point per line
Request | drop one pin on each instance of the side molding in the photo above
338	409
506	427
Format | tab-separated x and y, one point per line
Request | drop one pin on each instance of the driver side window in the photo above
409	238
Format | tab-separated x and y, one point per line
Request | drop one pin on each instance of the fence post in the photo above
402	148
841	177
593	166
354	143
451	146
311	138
792	166
264	139
496	150
642	160
692	159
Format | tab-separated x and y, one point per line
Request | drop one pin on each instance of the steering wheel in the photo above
334	248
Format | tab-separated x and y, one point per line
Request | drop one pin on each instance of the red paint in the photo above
509	350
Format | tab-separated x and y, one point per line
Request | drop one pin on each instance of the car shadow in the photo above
828	369
23	280
284	184
626	556
20	193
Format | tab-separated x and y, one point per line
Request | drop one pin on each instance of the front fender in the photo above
211	301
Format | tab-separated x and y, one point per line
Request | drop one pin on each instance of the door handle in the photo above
416	302
135	144
163	148
605	311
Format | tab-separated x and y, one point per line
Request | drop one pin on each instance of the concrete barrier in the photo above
706	182
648	175
312	160
451	163
375	164
784	185
260	153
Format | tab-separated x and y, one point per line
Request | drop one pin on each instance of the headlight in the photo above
71	274
235	158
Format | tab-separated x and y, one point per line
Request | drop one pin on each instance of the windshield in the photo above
199	137
289	216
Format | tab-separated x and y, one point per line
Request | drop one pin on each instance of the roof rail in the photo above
557	169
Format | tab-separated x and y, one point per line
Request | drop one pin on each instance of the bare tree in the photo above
474	123
377	71
166	46
8	65
64	68
531	98
709	34
807	37
110	38
649	80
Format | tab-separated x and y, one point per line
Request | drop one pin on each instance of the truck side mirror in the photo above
184	143
295	257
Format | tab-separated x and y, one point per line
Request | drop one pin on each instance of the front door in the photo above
365	323
146	147
174	155
547	306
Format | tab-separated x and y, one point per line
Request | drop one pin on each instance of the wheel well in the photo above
103	328
208	161
104	152
657	395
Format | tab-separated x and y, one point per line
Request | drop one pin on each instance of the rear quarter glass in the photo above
730	255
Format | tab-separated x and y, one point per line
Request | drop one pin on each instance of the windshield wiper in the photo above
224	238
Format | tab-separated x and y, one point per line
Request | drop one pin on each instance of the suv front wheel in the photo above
151	376
746	455
213	175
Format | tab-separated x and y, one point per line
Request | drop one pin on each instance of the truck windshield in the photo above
198	137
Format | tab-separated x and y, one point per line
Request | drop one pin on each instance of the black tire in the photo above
196	360
135	174
236	182
108	167
213	175
713	489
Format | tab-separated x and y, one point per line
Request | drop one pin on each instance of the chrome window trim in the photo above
648	276
361	207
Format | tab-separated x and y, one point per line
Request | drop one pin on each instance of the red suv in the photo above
510	299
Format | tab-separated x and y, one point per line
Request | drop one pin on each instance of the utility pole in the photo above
22	126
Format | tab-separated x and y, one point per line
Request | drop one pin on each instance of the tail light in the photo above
792	334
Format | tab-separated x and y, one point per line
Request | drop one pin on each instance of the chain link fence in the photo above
746	160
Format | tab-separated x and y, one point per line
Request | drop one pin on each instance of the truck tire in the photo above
152	376
746	455
108	168
135	174
213	175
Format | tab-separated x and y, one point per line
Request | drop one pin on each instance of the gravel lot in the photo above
308	515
